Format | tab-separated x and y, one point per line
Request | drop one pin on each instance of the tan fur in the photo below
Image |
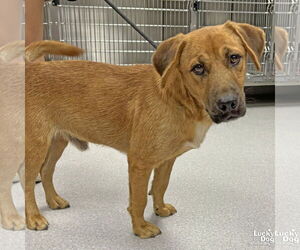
12	111
37	49
11	51
281	46
251	38
153	113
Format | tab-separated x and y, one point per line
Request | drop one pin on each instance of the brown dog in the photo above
153	113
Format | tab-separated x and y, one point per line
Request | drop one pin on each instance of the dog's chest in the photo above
199	135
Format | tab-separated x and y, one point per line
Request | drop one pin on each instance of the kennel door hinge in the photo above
196	5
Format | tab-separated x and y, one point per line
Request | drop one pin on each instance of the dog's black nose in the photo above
226	105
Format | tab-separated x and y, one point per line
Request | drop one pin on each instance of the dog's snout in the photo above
228	107
227	104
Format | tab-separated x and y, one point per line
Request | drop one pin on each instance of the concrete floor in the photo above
223	192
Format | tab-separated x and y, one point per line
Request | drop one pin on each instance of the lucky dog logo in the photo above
276	237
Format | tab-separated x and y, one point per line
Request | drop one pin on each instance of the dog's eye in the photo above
198	69
235	59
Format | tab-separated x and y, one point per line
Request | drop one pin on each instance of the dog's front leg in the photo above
159	187
138	184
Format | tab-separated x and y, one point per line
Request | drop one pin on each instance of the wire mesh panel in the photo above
287	19
106	37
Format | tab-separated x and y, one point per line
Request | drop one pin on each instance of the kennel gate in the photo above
96	27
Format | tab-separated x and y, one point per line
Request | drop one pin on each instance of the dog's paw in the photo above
13	222
56	202
165	211
146	230
37	222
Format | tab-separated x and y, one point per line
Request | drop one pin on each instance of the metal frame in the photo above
288	17
106	37
127	20
96	27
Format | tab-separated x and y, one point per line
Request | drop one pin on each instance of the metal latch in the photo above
196	5
55	2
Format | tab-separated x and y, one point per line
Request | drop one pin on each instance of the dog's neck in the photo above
177	92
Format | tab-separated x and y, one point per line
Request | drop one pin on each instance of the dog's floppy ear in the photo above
166	52
253	39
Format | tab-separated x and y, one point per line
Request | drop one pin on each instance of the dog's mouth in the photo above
225	117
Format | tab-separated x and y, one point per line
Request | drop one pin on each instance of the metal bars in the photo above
96	27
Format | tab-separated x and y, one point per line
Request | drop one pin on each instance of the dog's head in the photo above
205	69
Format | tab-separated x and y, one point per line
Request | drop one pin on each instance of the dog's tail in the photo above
41	48
11	51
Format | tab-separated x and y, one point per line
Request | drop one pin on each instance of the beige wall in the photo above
10	21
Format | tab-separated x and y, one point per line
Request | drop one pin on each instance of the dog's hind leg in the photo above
10	218
159	187
56	149
36	148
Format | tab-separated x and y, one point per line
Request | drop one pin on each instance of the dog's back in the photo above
71	94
